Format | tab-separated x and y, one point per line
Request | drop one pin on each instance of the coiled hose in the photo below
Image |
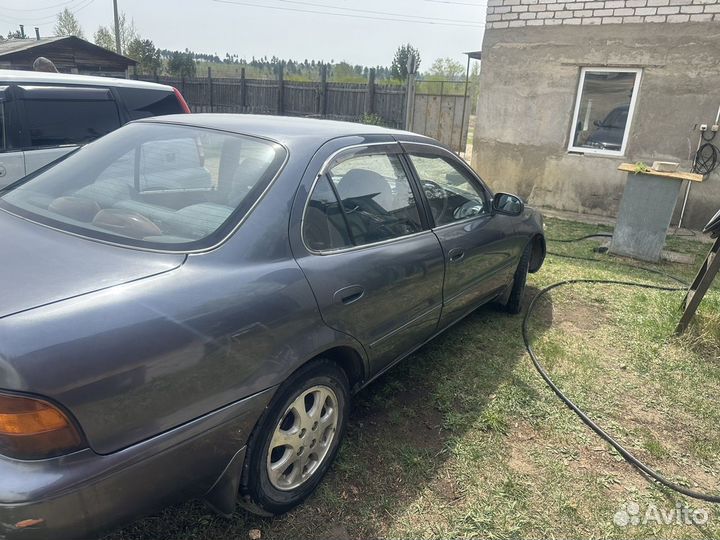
625	453
707	156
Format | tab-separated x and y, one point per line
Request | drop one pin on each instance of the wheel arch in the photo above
350	361
537	255
226	491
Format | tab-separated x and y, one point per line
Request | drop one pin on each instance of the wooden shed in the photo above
70	54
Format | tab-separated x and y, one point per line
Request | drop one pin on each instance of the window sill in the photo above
595	153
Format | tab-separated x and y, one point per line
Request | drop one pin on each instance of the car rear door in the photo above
12	161
57	119
375	267
480	248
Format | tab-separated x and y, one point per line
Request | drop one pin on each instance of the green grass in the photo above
464	440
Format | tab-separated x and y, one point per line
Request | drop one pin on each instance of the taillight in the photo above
181	100
33	428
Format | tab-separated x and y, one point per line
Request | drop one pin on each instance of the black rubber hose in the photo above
586	237
706	159
633	266
626	454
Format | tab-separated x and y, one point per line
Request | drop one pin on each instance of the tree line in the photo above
155	61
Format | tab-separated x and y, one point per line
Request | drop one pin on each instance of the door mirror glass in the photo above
506	203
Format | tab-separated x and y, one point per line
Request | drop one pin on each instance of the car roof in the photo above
13	76
283	129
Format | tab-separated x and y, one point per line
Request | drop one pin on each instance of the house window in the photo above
603	110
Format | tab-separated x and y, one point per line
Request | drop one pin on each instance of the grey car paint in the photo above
164	357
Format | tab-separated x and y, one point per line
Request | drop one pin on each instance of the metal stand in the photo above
699	287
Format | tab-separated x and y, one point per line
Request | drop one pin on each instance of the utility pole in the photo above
117	28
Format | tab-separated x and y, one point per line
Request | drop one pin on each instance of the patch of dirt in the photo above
337	532
520	439
423	429
579	316
447	488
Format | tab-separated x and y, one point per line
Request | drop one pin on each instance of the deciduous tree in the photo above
105	35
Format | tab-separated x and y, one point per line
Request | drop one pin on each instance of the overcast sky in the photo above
283	28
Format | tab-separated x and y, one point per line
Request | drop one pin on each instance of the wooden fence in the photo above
342	101
437	109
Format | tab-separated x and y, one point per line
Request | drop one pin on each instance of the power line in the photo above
371	11
478	4
299	10
53	6
45	19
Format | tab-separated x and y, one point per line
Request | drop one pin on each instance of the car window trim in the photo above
13	122
29	92
424	205
324	173
472	176
123	111
341	207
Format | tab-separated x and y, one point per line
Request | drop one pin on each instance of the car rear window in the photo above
142	103
149	185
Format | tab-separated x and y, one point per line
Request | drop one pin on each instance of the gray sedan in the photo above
189	303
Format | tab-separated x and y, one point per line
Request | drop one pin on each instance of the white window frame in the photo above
631	110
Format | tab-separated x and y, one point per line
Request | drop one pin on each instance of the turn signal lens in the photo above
35	429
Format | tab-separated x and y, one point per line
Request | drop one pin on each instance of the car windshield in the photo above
149	185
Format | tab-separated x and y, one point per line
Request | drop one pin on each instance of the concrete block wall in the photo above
528	91
522	13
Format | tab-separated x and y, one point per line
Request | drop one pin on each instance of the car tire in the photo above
514	303
279	476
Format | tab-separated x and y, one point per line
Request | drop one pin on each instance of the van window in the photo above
142	103
56	122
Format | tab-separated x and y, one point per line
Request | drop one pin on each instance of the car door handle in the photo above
349	295
456	255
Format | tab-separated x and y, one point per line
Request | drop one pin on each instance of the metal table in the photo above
646	210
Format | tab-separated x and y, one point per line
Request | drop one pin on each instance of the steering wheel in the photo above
469	209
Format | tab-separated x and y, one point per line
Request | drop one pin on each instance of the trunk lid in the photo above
40	266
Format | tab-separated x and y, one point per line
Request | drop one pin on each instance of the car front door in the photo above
480	247
366	249
12	162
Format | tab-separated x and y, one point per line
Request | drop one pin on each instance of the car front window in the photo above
452	194
151	185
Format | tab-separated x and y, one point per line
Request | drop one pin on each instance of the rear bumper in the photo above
83	494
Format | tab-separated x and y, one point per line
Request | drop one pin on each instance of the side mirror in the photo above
508	204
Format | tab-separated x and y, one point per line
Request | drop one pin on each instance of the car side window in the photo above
376	203
54	122
376	197
324	226
452	193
